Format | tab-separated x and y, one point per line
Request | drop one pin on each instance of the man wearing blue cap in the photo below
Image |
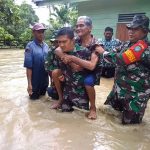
35	54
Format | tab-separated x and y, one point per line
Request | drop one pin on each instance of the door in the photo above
122	32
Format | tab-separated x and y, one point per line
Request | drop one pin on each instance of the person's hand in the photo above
117	49
63	58
66	59
29	89
61	78
75	67
99	49
58	52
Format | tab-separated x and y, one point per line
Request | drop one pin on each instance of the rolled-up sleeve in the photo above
113	58
28	57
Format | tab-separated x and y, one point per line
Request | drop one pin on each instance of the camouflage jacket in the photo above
132	81
73	87
68	73
51	62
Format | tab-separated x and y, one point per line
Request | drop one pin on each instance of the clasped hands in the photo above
68	59
99	50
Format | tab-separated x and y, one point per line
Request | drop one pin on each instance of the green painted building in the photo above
113	13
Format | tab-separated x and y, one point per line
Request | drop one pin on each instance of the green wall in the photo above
105	12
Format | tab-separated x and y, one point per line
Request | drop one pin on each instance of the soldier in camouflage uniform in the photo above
131	89
94	67
50	65
109	44
74	92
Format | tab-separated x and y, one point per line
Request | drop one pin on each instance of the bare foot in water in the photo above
92	114
56	105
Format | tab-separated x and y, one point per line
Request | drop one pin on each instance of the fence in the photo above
12	44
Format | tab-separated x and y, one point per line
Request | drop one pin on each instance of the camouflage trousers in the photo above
129	116
74	95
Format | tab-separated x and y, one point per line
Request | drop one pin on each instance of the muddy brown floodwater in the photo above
31	125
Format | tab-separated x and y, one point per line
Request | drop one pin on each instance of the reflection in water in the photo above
28	125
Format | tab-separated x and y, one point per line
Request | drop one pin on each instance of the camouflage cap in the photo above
139	21
53	37
52	40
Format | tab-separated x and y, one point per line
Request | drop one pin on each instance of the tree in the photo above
29	18
63	15
26	35
28	14
5	35
16	19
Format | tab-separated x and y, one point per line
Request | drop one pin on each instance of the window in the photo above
127	17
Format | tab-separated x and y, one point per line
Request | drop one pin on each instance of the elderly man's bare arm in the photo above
63	57
88	64
59	52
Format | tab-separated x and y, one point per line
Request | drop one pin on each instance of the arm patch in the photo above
134	53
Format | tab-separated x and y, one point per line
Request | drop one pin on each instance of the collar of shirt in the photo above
144	39
93	41
112	39
77	47
37	43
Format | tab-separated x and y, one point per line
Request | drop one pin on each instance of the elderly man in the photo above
85	39
131	89
109	43
35	54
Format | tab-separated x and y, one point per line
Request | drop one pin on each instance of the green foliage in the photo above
48	34
63	15
4	35
28	15
26	35
9	36
15	20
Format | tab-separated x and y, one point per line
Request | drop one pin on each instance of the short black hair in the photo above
109	29
66	31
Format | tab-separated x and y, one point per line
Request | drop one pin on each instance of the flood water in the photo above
31	125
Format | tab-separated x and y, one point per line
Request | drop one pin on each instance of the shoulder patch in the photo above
27	50
138	48
134	53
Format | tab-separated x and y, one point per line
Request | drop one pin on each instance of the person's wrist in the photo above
29	85
72	58
103	52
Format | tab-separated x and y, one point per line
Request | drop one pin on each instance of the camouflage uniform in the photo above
74	92
51	63
91	47
131	89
